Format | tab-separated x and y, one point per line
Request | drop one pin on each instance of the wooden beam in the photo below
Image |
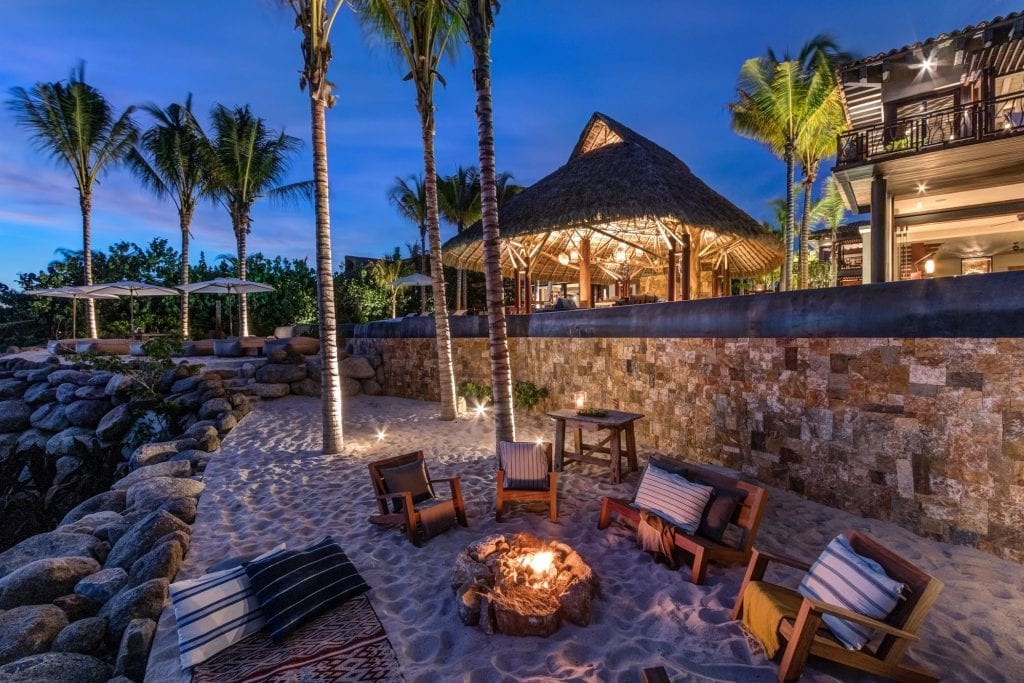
672	271
584	249
979	211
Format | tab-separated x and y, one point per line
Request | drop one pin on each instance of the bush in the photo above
480	392
527	395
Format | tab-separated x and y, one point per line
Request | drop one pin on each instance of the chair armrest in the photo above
780	559
405	496
857	618
445	479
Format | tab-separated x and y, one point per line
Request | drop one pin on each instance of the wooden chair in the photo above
403	509
806	635
505	494
747	518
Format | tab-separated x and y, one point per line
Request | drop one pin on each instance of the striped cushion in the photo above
525	465
294	586
215	611
842	577
678	500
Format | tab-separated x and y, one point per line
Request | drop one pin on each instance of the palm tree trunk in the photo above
423	267
85	201
185	219
241	232
445	370
497	327
805	234
833	258
330	370
787	266
458	289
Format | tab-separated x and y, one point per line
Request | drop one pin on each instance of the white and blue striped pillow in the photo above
844	578
294	586
214	612
675	498
525	465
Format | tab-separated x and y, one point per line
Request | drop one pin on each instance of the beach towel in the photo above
655	535
344	644
764	607
437	516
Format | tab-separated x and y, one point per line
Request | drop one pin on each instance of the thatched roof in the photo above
621	189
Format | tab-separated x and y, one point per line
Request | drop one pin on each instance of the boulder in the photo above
99	378
182	508
56	667
189	401
185	384
28	630
350	387
273	373
210	441
50	417
357	367
91	522
51	544
144	601
306	387
78	442
141	537
77	606
239	400
162	562
119	385
77	377
149	494
115	423
84	636
190	456
91	392
12	388
112	531
155	453
226	423
86	412
113	501
40	374
66	467
171	468
44	580
370	387
66	392
264	390
149	427
213	408
313	365
10	462
15	414
133	653
102	585
41	392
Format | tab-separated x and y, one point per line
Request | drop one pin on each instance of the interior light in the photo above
563	258
620	255
574	254
929	266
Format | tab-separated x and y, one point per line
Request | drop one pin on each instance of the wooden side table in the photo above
616	423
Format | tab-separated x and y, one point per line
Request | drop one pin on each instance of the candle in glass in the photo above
581	399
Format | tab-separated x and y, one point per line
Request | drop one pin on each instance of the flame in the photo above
540	562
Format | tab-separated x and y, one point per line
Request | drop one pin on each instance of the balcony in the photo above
954	126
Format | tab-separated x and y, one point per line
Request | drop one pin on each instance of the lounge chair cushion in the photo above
411	477
678	500
214	612
525	465
842	577
293	586
720	511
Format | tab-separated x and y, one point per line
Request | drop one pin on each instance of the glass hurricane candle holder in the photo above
580	399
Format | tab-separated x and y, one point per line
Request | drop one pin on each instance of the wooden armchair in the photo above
806	635
407	502
507	451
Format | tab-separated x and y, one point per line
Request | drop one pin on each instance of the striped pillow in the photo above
678	500
525	465
842	577
215	611
295	585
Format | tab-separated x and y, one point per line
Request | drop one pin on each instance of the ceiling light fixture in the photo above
563	258
620	255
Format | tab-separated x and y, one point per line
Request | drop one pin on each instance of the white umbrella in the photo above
132	289
73	293
415	280
226	285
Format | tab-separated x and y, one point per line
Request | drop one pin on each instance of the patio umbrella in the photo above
226	285
414	280
73	293
132	289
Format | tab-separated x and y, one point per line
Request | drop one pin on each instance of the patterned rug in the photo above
345	644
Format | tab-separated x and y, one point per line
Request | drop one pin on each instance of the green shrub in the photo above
160	349
527	395
480	392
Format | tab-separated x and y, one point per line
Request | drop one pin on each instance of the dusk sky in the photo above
666	68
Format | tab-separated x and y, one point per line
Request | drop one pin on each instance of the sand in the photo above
269	484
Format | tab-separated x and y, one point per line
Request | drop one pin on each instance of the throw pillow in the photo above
525	465
411	477
844	578
215	611
294	586
720	511
679	501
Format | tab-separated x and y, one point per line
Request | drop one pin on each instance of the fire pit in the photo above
521	585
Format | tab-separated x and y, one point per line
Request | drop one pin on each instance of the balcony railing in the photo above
972	122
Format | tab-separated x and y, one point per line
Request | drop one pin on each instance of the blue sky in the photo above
666	68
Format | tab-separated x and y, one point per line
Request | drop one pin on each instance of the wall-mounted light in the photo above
929	266
922	187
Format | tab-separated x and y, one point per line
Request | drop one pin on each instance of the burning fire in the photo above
540	565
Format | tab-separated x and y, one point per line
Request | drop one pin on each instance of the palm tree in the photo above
493	189
248	160
75	124
506	189
384	272
169	161
422	32
830	212
409	197
459	201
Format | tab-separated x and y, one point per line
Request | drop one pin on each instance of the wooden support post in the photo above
529	286
585	273
672	270
684	265
519	290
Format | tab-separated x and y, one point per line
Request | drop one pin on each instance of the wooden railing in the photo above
972	122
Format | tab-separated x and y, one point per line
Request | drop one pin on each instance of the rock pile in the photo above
286	371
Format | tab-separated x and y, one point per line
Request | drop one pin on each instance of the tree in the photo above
169	161
385	271
409	197
316	18
74	124
459	201
422	32
248	161
830	212
479	23
506	189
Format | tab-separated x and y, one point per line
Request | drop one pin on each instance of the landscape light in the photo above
922	187
381	433
480	410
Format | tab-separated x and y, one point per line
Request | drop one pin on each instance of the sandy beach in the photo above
269	484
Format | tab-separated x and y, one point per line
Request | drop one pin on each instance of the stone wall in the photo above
927	433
